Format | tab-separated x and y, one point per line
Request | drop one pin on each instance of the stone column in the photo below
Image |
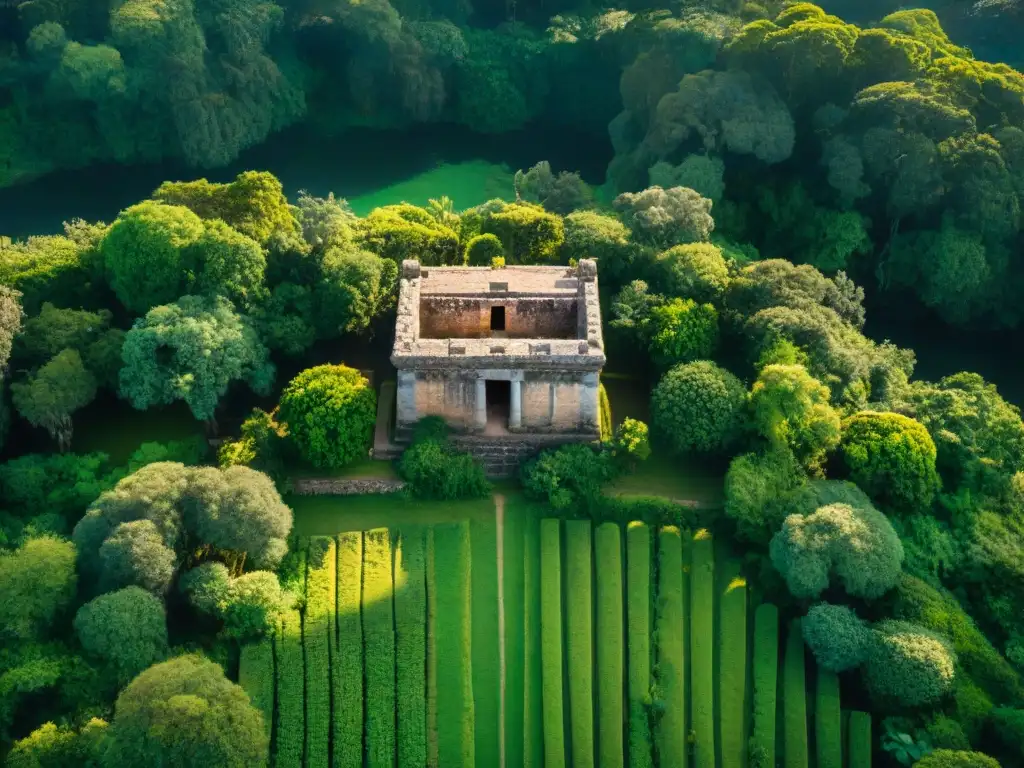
405	412
515	412
480	411
589	402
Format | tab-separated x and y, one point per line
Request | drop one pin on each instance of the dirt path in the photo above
499	514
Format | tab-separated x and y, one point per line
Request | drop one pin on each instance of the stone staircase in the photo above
502	455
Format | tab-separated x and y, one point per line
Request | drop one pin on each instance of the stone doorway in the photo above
499	397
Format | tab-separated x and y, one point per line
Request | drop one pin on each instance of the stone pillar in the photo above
589	402
405	412
515	411
480	410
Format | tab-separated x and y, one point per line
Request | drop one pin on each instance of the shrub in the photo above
483	249
857	546
126	629
908	665
569	478
837	637
699	407
1006	729
892	457
653	510
757	491
528	233
435	470
329	411
629	443
946	733
947	758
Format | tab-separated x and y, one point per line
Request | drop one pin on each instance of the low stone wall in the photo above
339	486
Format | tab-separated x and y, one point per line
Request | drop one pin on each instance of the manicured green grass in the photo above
517	522
291	706
453	646
638	622
828	735
608	548
794	701
317	636
859	736
579	625
663	475
766	673
702	622
551	642
732	668
410	647
432	745
256	676
379	649
330	515
533	701
486	658
671	730
347	666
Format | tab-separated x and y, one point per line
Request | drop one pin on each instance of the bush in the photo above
653	510
908	665
699	407
126	629
1006	729
946	733
837	637
856	545
37	582
892	457
695	271
435	470
569	478
684	331
947	758
329	412
758	488
483	249
629	443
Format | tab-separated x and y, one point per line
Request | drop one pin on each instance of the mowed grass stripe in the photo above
794	700
551	643
533	701
670	733
515	738
486	652
579	641
859	737
410	647
291	685
379	649
432	740
702	620
453	646
828	721
256	676
347	665
317	631
732	670
766	673
610	650
638	621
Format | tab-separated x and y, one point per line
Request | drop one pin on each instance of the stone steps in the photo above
502	456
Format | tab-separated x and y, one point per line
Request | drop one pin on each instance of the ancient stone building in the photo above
499	352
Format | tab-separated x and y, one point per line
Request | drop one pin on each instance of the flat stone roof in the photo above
532	280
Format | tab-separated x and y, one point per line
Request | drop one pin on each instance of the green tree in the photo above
135	554
126	629
529	234
62	483
791	409
53	746
54	330
839	639
908	665
10	322
560	193
192	350
38	582
399	232
699	407
329	411
285	319
666	217
146	253
593	235
52	394
855	545
483	249
228	263
892	457
184	712
948	758
103	357
683	331
52	268
757	491
357	287
695	271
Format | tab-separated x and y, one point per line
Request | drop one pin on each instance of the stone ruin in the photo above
515	351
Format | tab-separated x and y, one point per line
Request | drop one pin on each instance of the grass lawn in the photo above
486	669
329	515
679	479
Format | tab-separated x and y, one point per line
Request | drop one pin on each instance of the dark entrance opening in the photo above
499	395
498	321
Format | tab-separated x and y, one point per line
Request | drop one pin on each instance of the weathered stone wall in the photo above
334	486
449	317
536	404
451	395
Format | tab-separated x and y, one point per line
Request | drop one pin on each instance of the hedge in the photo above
432	744
410	645
256	676
579	639
638	622
732	672
608	546
533	728
291	691
551	643
859	736
453	646
828	721
347	666
702	622
794	700
317	637
766	674
379	649
670	732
